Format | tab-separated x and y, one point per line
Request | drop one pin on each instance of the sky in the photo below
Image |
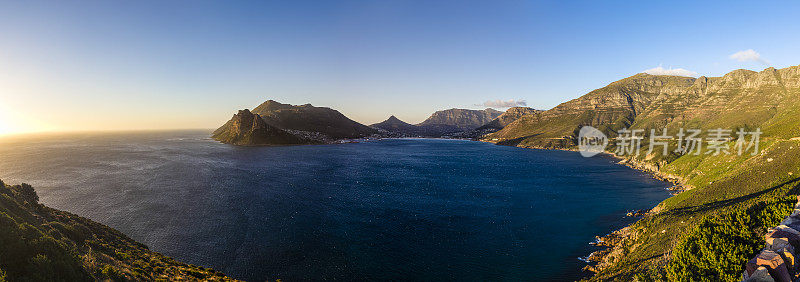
134	65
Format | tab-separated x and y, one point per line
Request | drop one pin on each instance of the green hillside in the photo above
722	188
38	243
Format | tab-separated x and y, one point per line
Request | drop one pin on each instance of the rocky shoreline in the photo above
599	260
613	241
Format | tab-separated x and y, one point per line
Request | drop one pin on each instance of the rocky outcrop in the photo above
248	129
778	260
509	116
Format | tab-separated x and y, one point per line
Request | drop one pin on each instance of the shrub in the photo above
718	248
111	273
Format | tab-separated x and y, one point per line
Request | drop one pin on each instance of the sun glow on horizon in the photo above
14	123
6	128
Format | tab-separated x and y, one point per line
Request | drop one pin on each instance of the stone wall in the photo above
778	260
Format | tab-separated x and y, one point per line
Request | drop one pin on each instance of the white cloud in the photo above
748	55
662	71
503	103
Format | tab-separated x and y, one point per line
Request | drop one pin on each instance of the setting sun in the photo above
13	123
4	128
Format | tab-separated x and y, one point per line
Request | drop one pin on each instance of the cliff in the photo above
246	128
38	243
456	120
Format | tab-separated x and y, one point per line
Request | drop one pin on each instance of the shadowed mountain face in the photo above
246	128
509	116
395	125
462	118
311	120
450	122
768	99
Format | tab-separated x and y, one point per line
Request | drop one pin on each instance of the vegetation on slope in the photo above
722	187
38	243
715	248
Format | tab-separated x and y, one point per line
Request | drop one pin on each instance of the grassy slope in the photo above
38	243
723	184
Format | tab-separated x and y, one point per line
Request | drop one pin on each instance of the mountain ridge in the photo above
647	98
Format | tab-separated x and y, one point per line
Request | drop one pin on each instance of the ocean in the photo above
393	209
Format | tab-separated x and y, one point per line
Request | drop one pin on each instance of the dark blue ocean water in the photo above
390	209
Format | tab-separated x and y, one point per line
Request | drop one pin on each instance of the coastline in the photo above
601	259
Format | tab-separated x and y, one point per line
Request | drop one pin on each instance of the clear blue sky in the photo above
86	65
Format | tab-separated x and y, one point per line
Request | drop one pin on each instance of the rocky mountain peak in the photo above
271	105
247	128
738	76
245	121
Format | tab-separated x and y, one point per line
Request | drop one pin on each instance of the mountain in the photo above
38	243
309	120
740	98
246	128
509	116
609	108
395	125
717	223
457	120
